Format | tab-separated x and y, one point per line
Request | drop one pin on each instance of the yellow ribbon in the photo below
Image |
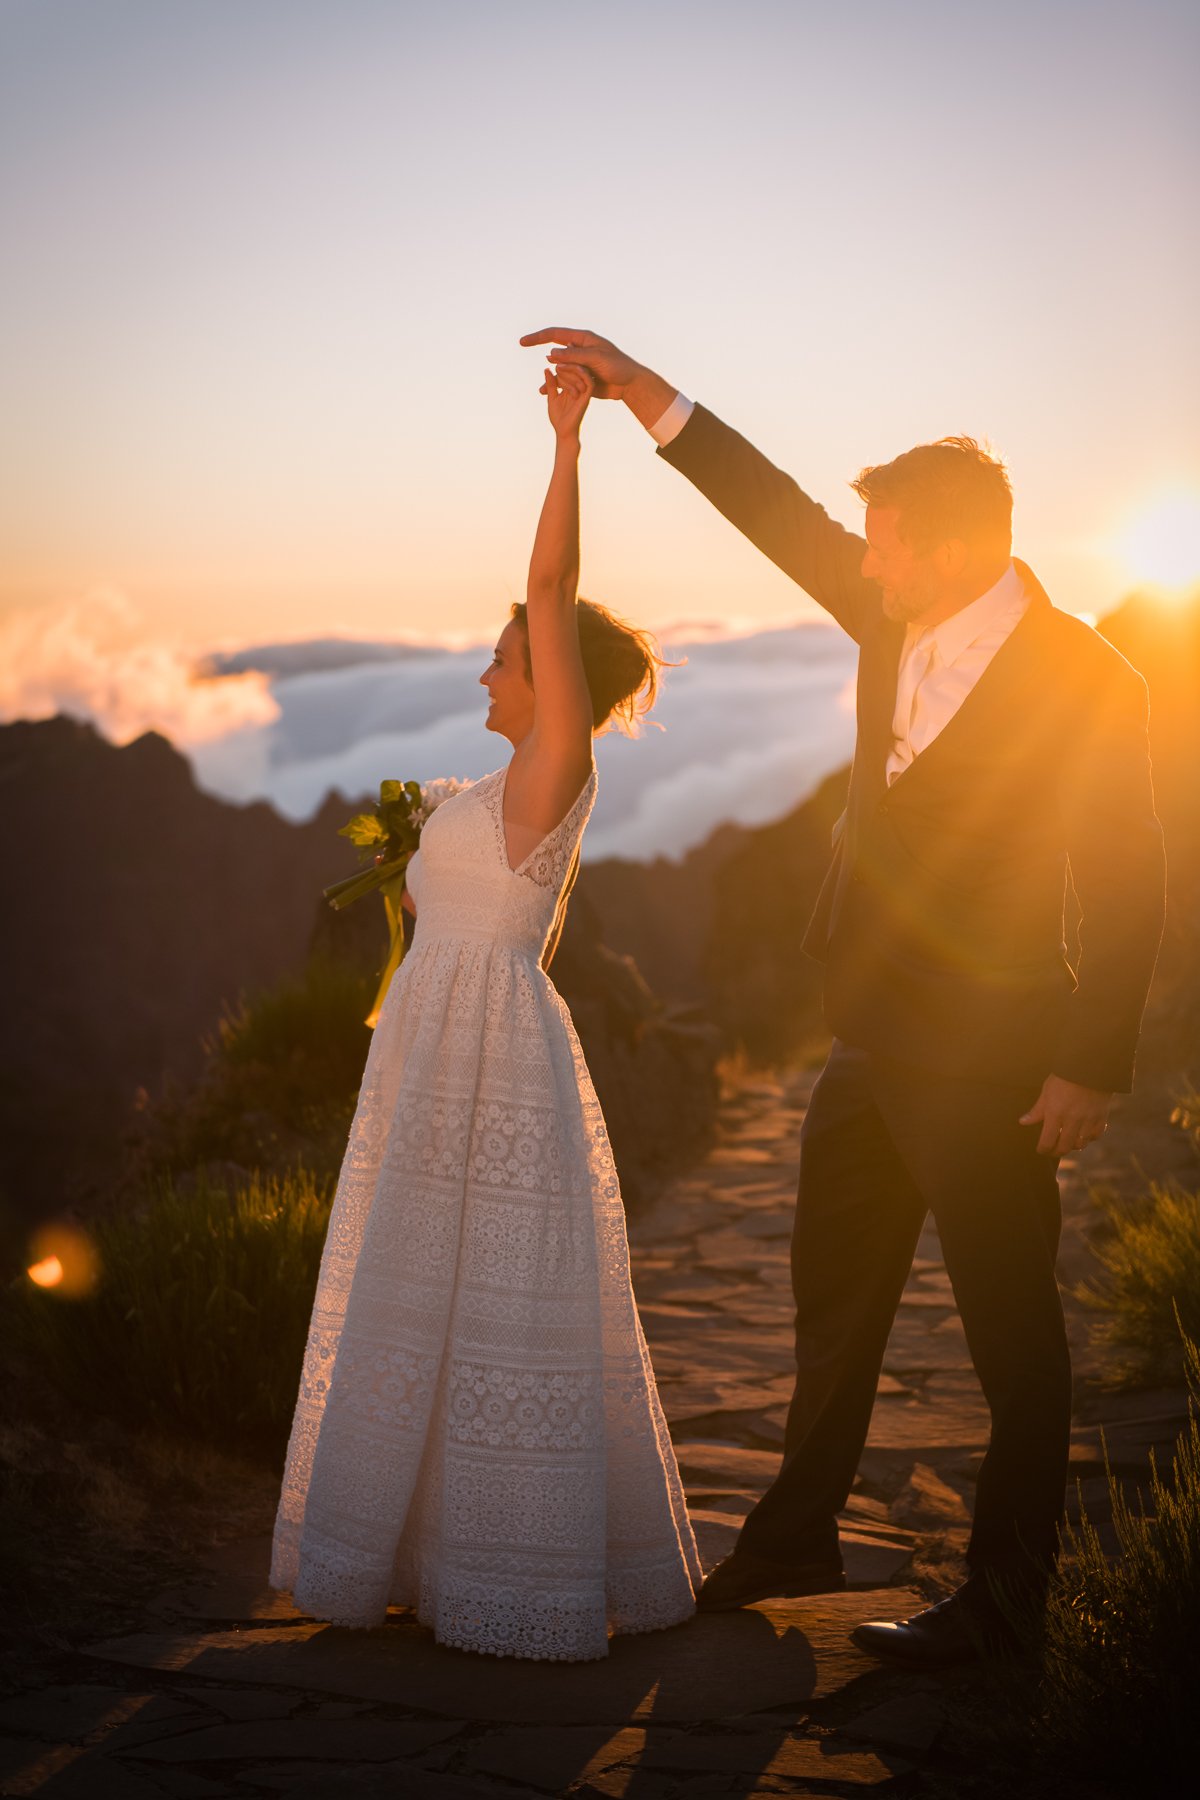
392	892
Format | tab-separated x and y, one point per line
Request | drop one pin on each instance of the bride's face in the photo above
510	692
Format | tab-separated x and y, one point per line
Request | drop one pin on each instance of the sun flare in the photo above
65	1260
47	1273
1161	543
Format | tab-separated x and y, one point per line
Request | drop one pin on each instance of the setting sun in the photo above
1161	545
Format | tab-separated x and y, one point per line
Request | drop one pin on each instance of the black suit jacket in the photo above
941	919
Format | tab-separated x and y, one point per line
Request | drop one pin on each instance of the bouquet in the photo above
386	837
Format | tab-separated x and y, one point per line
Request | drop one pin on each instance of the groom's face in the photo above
912	584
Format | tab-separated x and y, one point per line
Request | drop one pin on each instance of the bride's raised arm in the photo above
562	726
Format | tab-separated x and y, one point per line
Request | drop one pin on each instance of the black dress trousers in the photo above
882	1145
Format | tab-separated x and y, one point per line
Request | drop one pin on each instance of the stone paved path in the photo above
227	1691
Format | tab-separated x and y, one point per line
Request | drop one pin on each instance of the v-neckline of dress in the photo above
502	831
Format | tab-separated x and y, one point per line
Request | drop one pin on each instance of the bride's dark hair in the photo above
620	664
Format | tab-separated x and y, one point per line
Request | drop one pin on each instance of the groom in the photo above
1001	753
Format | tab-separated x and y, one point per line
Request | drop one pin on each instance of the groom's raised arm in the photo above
764	503
775	513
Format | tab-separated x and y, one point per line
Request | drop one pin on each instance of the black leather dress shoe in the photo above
742	1579
962	1628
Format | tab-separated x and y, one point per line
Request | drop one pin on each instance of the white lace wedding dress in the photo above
478	1433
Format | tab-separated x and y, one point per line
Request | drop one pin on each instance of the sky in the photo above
268	261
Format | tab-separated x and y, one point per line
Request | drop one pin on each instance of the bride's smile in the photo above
509	690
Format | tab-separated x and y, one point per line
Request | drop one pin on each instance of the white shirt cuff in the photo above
672	422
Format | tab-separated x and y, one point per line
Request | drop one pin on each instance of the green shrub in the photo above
1150	1286
198	1318
1120	1658
308	1030
279	1085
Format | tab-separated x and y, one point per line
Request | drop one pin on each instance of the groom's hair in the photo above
951	489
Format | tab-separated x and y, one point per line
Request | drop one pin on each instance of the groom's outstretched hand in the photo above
610	368
1070	1116
615	375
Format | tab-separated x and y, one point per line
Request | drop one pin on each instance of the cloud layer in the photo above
86	659
743	731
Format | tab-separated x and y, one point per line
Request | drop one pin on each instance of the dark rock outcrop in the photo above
139	910
135	909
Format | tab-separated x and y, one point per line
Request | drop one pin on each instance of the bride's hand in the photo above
567	394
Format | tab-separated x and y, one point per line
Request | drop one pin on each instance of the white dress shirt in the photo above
939	665
669	424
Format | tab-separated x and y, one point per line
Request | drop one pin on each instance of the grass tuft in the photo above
1120	1657
279	1084
197	1322
1149	1288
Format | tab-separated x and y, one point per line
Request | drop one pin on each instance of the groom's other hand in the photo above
616	375
1070	1116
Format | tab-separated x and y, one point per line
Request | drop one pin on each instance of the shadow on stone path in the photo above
228	1691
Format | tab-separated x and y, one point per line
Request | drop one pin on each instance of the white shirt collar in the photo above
955	634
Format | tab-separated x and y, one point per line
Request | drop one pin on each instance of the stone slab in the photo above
554	1760
758	1426
714	1666
729	1248
697	1399
673	1217
165	1716
765	1753
697	1284
940	1418
72	1774
733	1502
764	1310
233	1585
915	1342
872	1563
326	1740
768	1222
244	1703
400	1781
927	1501
67	1715
909	1722
735	1460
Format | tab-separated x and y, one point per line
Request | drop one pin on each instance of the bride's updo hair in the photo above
620	664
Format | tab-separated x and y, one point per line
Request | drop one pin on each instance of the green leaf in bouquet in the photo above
363	830
389	792
413	790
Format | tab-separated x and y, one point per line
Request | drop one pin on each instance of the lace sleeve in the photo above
549	863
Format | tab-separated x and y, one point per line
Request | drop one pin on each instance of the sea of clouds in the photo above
746	727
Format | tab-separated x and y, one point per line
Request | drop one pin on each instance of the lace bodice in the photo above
464	886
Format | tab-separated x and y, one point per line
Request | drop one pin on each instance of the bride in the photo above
478	1435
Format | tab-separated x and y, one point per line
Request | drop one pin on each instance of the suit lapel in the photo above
989	704
878	670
